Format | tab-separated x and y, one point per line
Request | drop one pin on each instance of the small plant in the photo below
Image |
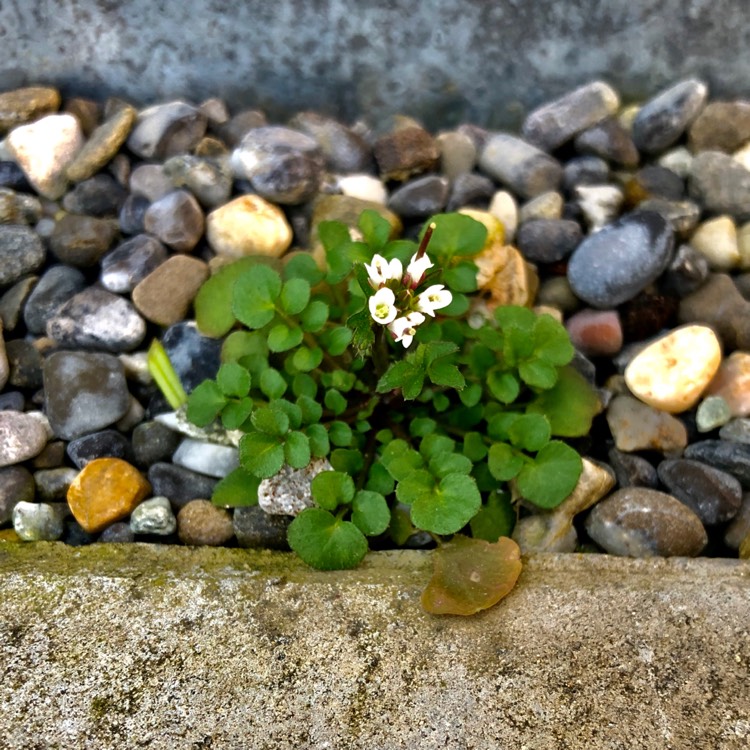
422	419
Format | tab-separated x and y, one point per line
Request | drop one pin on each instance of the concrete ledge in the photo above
144	646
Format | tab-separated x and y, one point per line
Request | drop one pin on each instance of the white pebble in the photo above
365	187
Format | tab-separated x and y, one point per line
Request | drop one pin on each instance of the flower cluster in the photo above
396	303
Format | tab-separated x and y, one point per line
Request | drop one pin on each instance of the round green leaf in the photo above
449	463
310	410
340	434
552	476
262	455
205	403
448	507
238	489
297	450
295	294
503	386
370	513
305	359
325	542
496	518
334	401
254	296
282	337
336	341
530	432
455	234
213	303
320	446
331	489
233	379
272	383
303	266
235	413
538	373
304	385
314	316
503	462
270	421
347	460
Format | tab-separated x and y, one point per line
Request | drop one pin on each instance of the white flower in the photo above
404	328
417	268
433	298
380	270
382	307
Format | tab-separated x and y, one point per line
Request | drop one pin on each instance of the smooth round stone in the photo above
672	372
51	457
82	240
720	184
52	484
165	295
118	533
288	493
716	239
21	437
102	145
609	140
133	213
18	208
12	176
503	207
123	268
405	152
166	130
106	490
713	412
194	357
256	529
43	150
556	292
732	384
16	486
206	458
525	169
662	120
632	470
38	522
678	160
686	273
595	333
548	240
548	205
505	277
682	216
104	444
25	363
12	401
739	527
84	392
470	189
57	285
22	105
209	180
176	219
584	170
97	319
365	187
75	535
248	225
150	181
239	125
153	516
654	181
600	204
614	264
743	247
21	252
721	126
421	197
713	495
737	430
641	522
726	455
200	523
178	484
458	153
100	196
153	442
636	426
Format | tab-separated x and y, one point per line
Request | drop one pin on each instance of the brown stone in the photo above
406	152
202	523
105	491
505	278
732	383
23	105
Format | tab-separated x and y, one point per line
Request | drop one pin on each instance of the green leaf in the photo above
407	374
443	464
233	380
272	383
213	303
503	386
552	476
347	460
363	337
413	485
238	489
319	443
254	296
305	359
475	449
448	507
282	337
342	380
314	316
515	316
333	233
375	229
530	432
304	385
342	259
471	575
295	294
325	542
445	374
496	518
379	480
164	375
297	450
262	455
311	411
455	234
401	527
538	373
422	426
471	395
458	306
334	401
570	406
370	513
331	489
504	463
340	434
551	341
270	421
235	413
499	424
462	278
246	348
336	340
432	445
292	411
303	266
205	403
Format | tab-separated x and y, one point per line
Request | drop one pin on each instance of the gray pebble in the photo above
548	240
118	533
21	252
609	140
166	130
12	401
254	528
178	484
683	216
150	181
206	458
39	522
132	214
153	442
239	125
405	152
82	240
739	527
12	302
100	196
584	170
458	154
632	470
209	180
25	363
103	444
123	268
52	484
176	219
725	455
194	357
721	184
153	516
737	430
57	285
16	486
687	271
420	197
21	437
721	126
470	189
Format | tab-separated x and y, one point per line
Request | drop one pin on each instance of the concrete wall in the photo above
444	61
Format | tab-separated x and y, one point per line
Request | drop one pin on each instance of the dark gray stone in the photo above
150	181
584	170
421	197
209	180
194	357
655	181
118	533
686	273
21	252
100	196
470	189
176	219
123	268
25	364
683	216
721	184
725	455
12	176
104	444
165	130
239	125
12	302
153	442
11	401
16	486
133	213
56	286
609	140
75	535
548	240
82	240
178	484
632	470
52	484
254	528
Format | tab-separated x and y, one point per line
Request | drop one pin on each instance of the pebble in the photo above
405	152
552	124
683	216
38	522
548	205
103	444
505	277
11	401
153	516
716	240
672	372
200	523
21	437
100	196
16	486
632	470
288	493
4	364
165	295
254	528
548	240
713	412
523	168
118	533
97	319
363	186
106	490
595	333
151	182
235	129
18	208
737	430
654	182
503	206
614	264
176	219
81	241
420	197
166	130
12	176
54	287
721	126
178	484
584	170
25	363
209	180
102	145
743	245
458	154
713	495
720	184
470	189
153	443
52	484
206	458
84	392
739	527
21	252
123	268
133	213
678	159
641	522
611	141
662	120
44	149
194	357
686	273
636	426
51	457
600	204
725	455
248	225
26	104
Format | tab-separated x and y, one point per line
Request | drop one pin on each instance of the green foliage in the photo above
440	436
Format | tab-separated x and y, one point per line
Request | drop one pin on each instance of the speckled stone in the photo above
672	372
21	252
632	470
405	152
209	180
682	216
636	426
56	286
19	208
165	130
720	184
23	105
194	357
153	516
21	437
288	492
38	522
420	197
200	523
595	333
176	219
732	383
256	529
721	126
641	522
726	455
99	196
737	430
81	241
123	268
